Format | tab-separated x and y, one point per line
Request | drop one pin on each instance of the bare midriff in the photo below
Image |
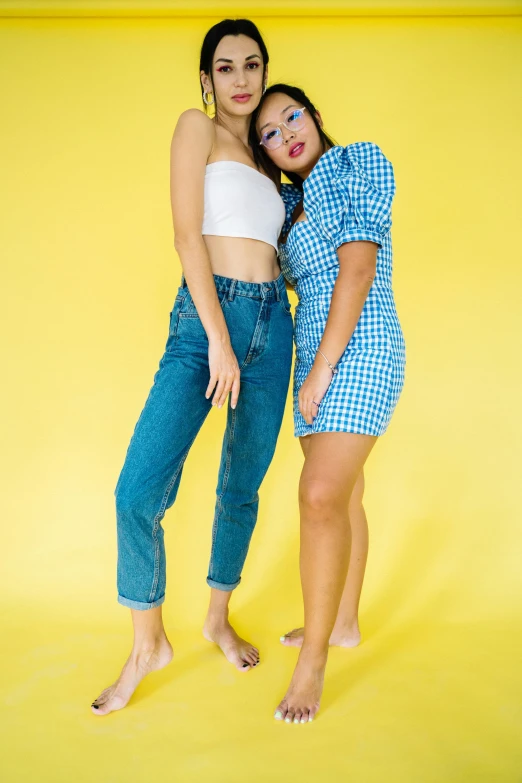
248	260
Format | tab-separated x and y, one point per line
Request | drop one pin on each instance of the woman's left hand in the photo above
313	390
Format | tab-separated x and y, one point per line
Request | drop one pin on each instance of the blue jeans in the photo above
261	329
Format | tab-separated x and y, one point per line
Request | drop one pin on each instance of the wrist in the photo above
321	358
219	338
321	369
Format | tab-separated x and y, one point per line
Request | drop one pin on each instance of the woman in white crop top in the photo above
230	336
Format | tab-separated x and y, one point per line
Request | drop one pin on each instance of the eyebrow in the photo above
282	112
250	56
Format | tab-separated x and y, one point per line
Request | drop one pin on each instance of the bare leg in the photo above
346	631
151	651
332	465
217	629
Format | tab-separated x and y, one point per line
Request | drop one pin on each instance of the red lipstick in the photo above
296	149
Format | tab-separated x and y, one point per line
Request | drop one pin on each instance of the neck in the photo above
304	173
237	126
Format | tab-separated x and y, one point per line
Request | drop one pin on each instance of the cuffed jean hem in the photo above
220	586
139	604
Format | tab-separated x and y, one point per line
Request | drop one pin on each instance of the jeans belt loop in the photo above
231	291
277	291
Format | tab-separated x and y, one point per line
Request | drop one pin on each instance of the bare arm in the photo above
357	262
190	149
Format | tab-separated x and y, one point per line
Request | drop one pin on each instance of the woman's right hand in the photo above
224	373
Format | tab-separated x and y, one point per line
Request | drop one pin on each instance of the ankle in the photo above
313	655
348	624
217	617
144	647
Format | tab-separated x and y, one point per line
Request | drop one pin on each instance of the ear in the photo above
205	82
319	119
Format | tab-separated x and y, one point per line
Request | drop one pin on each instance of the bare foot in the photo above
243	655
347	636
301	703
139	664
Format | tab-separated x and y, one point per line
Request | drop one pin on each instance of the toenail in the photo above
303	720
278	715
288	720
282	638
296	720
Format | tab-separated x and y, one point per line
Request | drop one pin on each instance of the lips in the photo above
296	149
242	97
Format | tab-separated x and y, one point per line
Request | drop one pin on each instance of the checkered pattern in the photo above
347	197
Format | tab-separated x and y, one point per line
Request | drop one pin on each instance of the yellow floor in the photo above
419	700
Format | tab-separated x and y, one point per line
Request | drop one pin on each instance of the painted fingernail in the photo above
278	715
96	707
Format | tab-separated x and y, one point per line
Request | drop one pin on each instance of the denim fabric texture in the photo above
260	324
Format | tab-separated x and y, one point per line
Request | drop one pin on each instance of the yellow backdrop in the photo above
89	275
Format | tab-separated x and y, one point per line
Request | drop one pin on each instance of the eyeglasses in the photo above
272	137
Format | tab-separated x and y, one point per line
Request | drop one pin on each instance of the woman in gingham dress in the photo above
349	371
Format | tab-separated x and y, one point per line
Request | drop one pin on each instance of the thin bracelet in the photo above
334	370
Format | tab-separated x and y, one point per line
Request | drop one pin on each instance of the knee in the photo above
318	499
130	499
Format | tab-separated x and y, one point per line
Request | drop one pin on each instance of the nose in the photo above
241	79
288	135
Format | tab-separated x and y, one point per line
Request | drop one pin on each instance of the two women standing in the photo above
231	336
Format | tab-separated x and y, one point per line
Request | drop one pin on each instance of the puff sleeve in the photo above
349	194
291	197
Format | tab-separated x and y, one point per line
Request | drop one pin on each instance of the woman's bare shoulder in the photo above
194	123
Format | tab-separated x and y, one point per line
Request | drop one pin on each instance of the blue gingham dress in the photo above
347	197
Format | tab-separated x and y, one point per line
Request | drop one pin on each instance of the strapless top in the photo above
241	202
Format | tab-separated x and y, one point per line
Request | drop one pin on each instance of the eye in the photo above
294	116
270	134
224	69
254	67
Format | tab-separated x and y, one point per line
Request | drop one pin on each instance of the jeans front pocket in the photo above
189	326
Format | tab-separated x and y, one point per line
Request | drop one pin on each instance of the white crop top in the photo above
241	202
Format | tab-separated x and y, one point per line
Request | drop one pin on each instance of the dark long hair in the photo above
219	31
260	156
